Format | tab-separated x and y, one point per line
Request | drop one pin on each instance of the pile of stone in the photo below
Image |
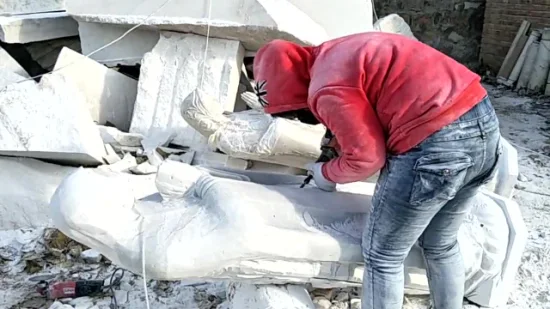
527	64
88	114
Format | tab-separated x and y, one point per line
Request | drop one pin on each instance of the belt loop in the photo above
481	129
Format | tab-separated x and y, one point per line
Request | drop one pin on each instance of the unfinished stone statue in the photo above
260	228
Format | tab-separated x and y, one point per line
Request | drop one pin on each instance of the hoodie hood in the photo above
281	71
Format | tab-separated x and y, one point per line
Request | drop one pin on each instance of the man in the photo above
398	105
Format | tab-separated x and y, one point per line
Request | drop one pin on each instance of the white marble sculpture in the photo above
261	228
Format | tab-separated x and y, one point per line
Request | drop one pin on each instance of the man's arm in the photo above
347	113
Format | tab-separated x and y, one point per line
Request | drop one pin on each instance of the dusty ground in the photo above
525	122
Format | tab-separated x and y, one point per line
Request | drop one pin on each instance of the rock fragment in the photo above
91	256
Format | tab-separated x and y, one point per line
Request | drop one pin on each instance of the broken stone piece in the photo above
251	296
111	135
394	23
127	162
109	95
91	256
321	303
111	157
15	7
48	121
37	27
172	71
9	64
144	168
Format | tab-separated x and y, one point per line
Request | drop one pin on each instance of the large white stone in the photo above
109	95
253	22
268	230
37	27
128	51
172	71
8	63
8	7
48	121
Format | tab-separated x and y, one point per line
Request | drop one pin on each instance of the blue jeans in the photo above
423	195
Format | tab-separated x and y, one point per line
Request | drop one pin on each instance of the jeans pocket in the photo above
439	176
494	168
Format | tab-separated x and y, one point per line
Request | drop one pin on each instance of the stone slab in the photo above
253	22
8	63
172	71
127	51
37	27
109	95
13	7
48	121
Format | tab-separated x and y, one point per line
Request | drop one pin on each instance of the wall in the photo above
452	26
502	21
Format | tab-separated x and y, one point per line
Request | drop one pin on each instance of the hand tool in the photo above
327	153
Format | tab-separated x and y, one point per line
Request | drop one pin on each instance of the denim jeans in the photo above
423	195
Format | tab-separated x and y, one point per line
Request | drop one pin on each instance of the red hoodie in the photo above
377	92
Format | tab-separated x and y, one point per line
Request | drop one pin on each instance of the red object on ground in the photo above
70	289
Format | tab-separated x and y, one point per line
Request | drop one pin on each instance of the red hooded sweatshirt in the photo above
377	92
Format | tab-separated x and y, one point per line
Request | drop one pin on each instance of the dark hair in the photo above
303	115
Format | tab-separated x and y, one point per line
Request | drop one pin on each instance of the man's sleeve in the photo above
351	118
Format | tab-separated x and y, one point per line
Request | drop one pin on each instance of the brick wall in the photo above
502	21
451	26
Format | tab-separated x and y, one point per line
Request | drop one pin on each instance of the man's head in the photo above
281	71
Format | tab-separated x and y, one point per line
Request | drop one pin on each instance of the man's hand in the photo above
332	142
322	183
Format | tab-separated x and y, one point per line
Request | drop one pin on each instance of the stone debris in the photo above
37	27
109	95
